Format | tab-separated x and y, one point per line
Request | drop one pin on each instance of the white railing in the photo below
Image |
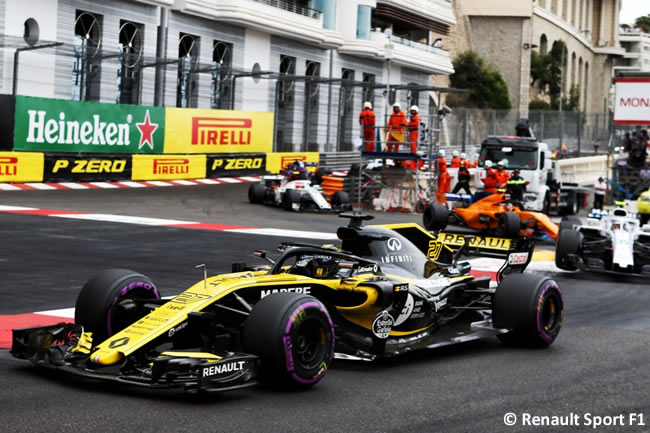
291	7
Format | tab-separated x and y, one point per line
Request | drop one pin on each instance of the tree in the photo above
546	72
643	23
485	86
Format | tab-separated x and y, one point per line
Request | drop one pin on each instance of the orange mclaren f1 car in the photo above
494	213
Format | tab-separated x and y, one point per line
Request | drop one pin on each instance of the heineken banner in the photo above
238	164
55	125
86	168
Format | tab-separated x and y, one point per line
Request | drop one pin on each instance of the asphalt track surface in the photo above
598	365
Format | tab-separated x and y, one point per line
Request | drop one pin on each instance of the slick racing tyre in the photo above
105	304
289	198
509	225
569	221
256	193
435	217
568	242
531	307
293	335
341	200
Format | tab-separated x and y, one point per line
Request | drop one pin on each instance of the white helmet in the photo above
488	164
367	104
503	162
442	153
397	105
414	108
463	155
454	153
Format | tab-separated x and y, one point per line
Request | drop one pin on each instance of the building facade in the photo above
311	62
505	32
637	51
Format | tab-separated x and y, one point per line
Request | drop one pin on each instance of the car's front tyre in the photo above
293	335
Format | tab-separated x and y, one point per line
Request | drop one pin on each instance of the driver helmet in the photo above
488	164
367	104
323	267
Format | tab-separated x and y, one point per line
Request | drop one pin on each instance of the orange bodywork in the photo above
496	204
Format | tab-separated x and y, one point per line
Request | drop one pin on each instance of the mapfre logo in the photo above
171	166
217	131
8	166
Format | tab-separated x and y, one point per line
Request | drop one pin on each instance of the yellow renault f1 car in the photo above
386	290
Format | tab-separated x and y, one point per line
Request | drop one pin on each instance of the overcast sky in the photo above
632	9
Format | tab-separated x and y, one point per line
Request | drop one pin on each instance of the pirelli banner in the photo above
21	167
217	131
250	164
168	167
56	125
86	168
278	161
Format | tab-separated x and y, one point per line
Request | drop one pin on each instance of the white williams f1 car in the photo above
610	242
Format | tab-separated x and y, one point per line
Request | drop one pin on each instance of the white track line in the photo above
123	219
285	233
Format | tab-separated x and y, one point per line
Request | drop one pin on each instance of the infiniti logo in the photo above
394	244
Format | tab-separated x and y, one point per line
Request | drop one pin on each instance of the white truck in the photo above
544	191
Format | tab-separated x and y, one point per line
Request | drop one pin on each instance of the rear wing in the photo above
440	247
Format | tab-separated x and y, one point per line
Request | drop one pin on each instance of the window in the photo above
369	91
187	93
221	75
130	44
364	14
87	64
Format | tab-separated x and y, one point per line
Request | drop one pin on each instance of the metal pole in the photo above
161	45
14	84
329	103
232	92
275	115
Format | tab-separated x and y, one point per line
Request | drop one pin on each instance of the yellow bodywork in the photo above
643	203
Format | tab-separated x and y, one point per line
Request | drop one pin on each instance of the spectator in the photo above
462	179
644	174
600	187
621	165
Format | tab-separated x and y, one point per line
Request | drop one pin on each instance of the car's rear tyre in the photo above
293	335
341	200
569	221
546	207
256	193
531	306
509	225
104	305
435	217
289	198
568	242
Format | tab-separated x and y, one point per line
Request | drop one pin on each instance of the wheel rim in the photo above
550	314
309	347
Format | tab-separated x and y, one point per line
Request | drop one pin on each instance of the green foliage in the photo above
538	104
643	23
486	87
546	73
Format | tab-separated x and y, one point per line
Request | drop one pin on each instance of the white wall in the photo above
257	49
36	69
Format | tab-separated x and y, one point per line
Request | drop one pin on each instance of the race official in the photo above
395	133
413	126
501	174
490	183
367	121
463	178
516	186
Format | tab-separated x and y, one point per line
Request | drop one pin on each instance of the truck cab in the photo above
533	160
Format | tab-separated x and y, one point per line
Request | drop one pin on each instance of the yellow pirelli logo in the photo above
476	242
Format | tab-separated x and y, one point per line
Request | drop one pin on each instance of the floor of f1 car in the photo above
598	364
